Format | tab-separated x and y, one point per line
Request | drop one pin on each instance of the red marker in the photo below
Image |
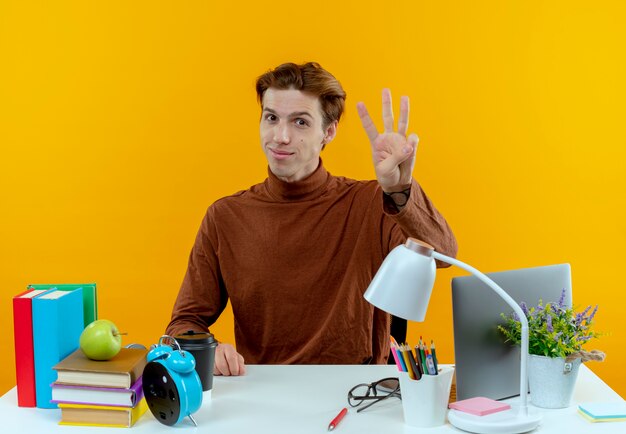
333	424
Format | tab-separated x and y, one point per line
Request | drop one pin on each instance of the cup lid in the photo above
191	337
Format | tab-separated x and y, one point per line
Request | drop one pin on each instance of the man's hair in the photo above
309	77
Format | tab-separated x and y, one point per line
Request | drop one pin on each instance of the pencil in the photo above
416	370
394	353
400	360
407	363
432	351
429	364
419	359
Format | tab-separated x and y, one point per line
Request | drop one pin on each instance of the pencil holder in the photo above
425	401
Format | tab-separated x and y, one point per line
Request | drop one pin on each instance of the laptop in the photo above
485	365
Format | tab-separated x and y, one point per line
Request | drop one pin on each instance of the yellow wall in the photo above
120	122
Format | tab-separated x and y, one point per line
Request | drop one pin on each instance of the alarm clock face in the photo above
161	393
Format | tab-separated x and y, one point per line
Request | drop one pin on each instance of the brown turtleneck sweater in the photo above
295	260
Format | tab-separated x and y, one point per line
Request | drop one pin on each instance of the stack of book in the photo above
101	393
47	323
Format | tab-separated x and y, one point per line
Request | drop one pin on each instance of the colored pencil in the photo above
407	363
432	350
394	353
429	364
419	359
414	366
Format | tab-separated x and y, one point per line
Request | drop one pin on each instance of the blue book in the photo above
57	325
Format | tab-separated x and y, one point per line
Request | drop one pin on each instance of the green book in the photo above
90	297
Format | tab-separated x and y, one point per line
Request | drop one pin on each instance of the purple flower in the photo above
524	308
578	319
549	324
562	299
557	336
515	317
595	309
580	316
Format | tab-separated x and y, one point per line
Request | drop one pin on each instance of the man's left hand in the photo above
392	151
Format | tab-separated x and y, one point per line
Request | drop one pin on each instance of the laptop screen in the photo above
485	365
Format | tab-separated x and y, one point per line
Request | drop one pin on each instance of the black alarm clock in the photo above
171	385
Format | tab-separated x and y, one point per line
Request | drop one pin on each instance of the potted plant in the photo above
557	335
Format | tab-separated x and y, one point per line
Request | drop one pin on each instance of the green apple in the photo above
101	340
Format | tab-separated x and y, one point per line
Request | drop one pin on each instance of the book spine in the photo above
57	325
90	303
138	411
138	391
136	372
24	358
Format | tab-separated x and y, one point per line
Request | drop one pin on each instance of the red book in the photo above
23	335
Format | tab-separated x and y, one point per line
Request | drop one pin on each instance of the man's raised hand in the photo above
393	152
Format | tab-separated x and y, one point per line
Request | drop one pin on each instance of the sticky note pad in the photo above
604	410
479	406
600	419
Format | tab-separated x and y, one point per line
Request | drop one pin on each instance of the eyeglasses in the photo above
374	392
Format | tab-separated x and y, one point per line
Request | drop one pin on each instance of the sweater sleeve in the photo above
380	337
202	296
419	219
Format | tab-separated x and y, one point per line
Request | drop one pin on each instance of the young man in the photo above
295	253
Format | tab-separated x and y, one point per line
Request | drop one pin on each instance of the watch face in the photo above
161	393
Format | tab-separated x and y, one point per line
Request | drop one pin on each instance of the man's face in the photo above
292	135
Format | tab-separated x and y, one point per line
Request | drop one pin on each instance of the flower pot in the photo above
551	381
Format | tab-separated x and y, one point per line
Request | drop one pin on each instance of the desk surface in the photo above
303	399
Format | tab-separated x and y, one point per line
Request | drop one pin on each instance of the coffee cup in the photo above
202	346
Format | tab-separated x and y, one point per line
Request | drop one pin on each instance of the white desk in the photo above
302	399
